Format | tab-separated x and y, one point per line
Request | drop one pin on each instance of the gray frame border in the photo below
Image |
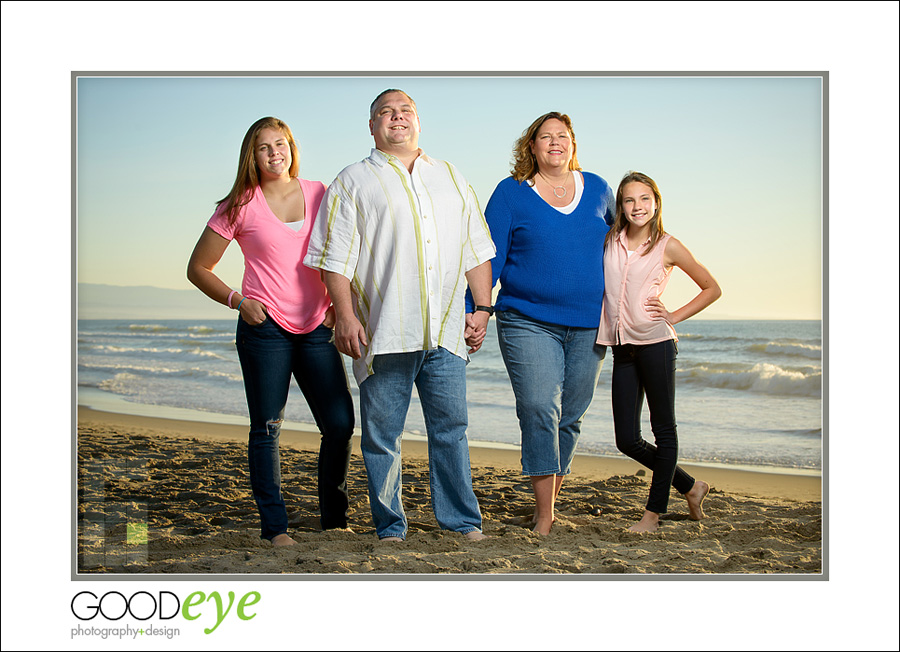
75	576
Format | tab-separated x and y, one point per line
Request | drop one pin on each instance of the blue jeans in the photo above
269	356
553	371
440	378
649	369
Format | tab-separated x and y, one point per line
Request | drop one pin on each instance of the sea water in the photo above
749	393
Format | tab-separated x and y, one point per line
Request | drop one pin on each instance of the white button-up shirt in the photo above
405	240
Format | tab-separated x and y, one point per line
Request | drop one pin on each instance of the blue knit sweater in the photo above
550	265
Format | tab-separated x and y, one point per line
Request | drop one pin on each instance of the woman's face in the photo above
552	146
272	152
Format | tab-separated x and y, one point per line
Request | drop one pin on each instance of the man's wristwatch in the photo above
488	309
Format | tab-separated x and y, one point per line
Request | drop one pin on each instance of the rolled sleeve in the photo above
334	243
481	246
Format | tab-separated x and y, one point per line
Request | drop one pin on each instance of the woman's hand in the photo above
329	318
657	310
253	312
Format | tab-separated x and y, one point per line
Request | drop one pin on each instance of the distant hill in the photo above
97	301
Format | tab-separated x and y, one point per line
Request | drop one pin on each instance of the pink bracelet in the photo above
230	294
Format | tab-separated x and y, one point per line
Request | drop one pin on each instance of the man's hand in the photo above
476	329
350	336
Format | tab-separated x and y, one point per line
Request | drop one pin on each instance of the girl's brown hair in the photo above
247	178
524	164
621	223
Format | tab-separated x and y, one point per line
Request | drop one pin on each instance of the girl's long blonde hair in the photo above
247	178
621	223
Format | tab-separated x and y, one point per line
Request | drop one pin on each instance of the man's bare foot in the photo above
283	540
695	497
649	523
476	535
391	539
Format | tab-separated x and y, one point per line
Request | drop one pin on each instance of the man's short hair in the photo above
382	94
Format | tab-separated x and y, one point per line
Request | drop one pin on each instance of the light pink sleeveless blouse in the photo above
630	281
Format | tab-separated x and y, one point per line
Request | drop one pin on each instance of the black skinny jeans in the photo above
649	369
269	357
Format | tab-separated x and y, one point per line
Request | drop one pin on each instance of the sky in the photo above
739	161
43	250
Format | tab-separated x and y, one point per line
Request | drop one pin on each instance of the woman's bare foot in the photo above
390	539
649	523
695	499
543	525
534	519
283	540
476	535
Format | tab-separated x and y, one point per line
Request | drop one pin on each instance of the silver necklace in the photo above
556	188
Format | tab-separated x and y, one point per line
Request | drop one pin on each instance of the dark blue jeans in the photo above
269	356
649	369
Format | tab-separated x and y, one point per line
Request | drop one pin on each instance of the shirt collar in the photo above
382	158
623	239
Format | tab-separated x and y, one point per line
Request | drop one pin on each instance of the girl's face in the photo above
638	204
272	153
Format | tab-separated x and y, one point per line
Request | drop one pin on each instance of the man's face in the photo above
395	124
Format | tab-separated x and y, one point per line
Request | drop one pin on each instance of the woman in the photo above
549	221
285	319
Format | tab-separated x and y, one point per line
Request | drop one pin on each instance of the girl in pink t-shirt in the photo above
284	327
639	256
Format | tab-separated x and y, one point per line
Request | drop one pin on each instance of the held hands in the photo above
476	329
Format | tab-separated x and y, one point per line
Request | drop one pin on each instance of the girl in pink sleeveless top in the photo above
638	259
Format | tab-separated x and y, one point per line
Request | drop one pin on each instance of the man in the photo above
398	235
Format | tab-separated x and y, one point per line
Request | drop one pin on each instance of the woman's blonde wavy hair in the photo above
524	164
247	178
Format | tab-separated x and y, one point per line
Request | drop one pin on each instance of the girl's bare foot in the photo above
476	535
695	499
283	540
649	523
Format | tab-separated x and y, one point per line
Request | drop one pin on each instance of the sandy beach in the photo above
163	496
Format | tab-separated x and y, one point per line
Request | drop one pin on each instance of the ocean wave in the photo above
158	353
811	351
155	328
762	378
160	372
811	433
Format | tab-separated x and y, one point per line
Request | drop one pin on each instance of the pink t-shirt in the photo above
274	273
630	281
